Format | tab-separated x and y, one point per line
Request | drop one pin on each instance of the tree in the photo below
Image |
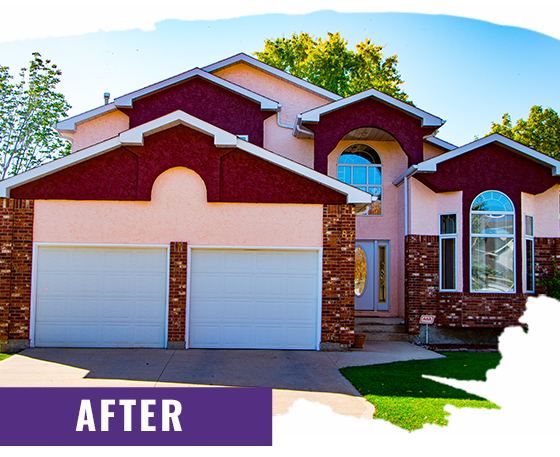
541	131
29	111
328	63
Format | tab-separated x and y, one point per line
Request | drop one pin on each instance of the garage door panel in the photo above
240	285
238	310
265	293
101	297
270	311
207	284
268	285
206	335
238	336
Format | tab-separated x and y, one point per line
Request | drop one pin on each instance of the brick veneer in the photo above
337	323
16	250
458	309
177	294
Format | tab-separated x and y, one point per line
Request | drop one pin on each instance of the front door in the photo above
372	276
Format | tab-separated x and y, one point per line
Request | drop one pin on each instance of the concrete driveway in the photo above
311	375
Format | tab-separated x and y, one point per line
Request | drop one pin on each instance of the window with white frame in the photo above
492	243
360	166
448	252
529	255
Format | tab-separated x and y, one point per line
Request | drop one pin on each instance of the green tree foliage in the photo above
29	111
541	131
328	63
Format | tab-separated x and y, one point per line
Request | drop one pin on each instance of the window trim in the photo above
454	236
532	239
379	166
512	236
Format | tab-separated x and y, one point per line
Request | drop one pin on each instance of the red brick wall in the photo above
16	249
339	228
177	291
459	309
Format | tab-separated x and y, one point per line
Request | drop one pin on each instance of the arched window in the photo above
360	166
492	243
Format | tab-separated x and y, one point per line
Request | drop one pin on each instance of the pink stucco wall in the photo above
389	226
178	211
294	100
431	151
99	129
545	211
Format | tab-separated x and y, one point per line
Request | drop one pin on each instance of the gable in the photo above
128	173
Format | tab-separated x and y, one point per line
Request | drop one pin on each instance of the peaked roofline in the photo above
430	165
135	136
242	57
427	119
126	101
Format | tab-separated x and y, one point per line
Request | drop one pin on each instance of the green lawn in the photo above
4	356
401	396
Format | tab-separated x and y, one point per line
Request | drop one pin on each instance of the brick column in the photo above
337	321
177	295
16	250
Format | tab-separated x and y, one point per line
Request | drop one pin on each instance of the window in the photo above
492	243
448	252
530	255
360	166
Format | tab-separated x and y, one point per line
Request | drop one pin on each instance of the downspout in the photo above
284	126
406	206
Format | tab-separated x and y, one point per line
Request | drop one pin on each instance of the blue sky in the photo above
469	72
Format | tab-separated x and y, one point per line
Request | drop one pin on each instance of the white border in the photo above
318	250
34	266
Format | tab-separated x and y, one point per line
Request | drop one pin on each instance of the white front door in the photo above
262	299
372	276
100	297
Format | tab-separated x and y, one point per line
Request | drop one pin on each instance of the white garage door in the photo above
100	297
266	299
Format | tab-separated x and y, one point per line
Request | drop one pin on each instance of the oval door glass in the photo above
360	271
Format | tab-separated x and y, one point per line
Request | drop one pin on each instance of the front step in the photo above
382	328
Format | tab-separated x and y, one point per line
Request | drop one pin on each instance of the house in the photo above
236	206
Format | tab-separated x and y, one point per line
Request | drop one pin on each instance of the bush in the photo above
552	283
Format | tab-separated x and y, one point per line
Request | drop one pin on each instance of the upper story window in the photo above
492	243
360	166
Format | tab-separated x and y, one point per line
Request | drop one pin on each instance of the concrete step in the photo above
388	337
376	328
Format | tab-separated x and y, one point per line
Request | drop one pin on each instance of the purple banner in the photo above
137	416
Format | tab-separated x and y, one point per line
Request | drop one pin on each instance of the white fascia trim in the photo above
440	143
242	57
266	103
430	166
427	119
135	137
56	165
126	101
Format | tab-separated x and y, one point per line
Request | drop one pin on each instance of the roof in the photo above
242	57
440	143
427	119
431	165
126	101
222	138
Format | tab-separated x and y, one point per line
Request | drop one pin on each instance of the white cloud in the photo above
59	18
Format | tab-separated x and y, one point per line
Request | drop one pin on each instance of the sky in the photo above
467	62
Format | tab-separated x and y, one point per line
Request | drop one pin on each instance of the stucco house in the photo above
236	206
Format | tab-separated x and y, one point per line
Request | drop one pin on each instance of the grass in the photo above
4	356
401	396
